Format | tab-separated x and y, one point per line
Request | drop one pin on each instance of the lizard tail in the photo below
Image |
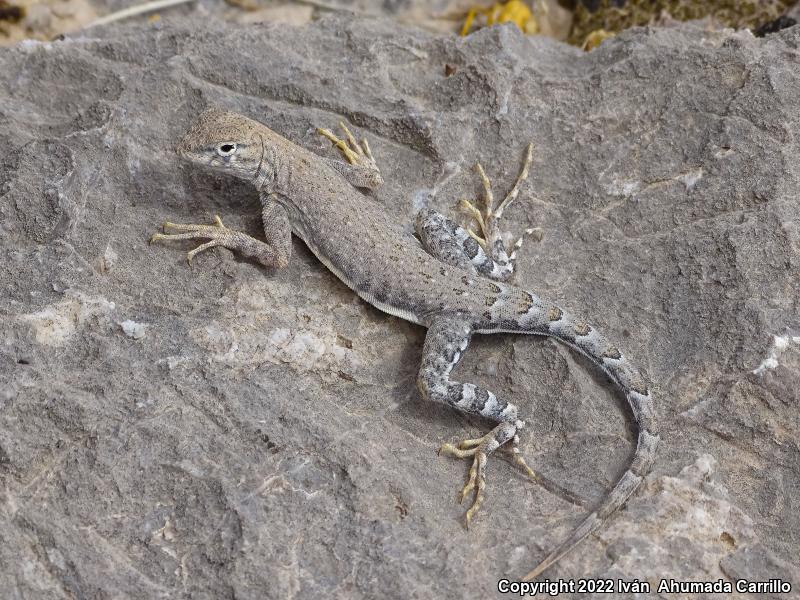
589	342
645	452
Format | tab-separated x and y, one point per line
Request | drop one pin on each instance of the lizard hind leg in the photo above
488	216
361	169
447	339
445	240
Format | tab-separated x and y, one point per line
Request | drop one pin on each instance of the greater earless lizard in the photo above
452	282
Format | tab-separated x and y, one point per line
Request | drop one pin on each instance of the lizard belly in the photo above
365	295
389	309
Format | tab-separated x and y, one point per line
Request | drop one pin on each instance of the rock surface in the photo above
224	431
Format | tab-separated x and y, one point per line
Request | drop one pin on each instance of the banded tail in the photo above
547	319
642	460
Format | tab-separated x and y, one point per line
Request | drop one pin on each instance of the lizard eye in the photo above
226	149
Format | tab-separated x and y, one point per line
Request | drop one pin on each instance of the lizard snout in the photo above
376	180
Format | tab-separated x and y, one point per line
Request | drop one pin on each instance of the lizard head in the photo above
224	141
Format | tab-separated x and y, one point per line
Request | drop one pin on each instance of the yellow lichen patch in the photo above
594	39
513	11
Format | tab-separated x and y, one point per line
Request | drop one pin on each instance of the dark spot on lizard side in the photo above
502	324
582	329
640	387
479	401
490	300
495	288
471	248
555	314
612	352
453	394
510	324
379	295
525	303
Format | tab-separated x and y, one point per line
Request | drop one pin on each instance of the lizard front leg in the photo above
361	169
275	252
447	339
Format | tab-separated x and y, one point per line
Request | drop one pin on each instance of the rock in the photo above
263	437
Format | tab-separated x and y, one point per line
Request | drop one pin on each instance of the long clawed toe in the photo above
476	479
355	153
476	449
363	170
516	457
217	234
487	216
468	209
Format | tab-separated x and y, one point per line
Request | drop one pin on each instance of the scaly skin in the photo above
451	283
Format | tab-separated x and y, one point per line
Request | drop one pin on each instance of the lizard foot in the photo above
487	217
218	234
364	171
479	450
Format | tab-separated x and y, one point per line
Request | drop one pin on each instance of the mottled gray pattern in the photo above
445	344
451	244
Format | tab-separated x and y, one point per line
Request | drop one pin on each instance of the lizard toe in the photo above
479	450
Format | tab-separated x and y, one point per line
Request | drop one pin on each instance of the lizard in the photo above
452	280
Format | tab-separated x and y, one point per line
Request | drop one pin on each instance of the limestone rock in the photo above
263	436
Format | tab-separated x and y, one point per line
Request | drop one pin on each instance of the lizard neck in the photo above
275	171
266	178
